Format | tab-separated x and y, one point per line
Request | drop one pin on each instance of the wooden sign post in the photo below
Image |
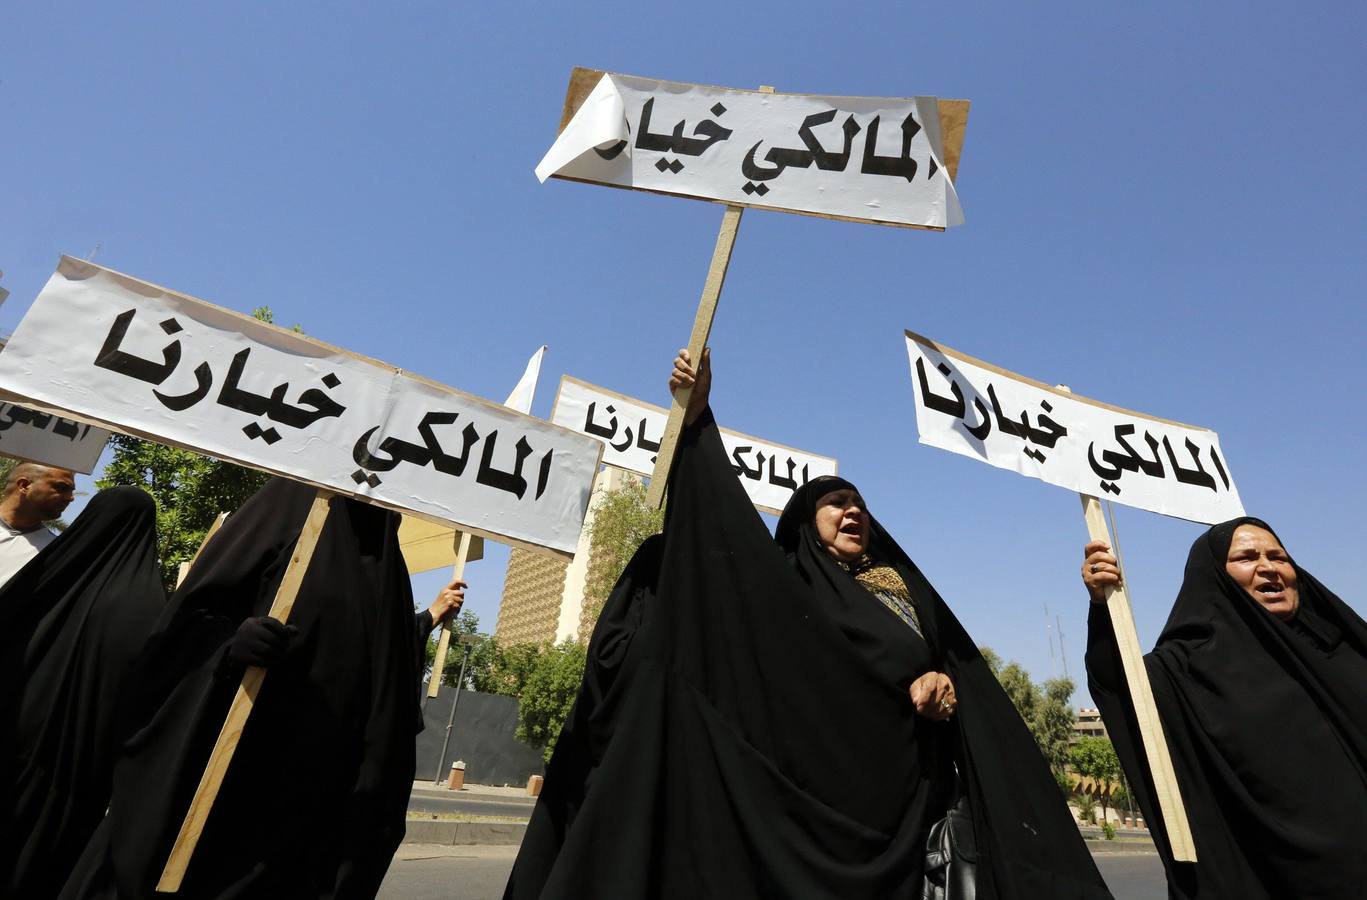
226	745
439	661
1170	804
697	341
183	572
1174	811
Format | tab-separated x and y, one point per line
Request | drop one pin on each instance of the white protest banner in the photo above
769	472
52	440
614	131
869	159
976	409
140	359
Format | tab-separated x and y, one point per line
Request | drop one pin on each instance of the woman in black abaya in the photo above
75	617
313	804
747	725
1260	677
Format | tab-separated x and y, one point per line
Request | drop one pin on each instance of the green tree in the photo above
1094	757
622	521
1043	707
1053	722
548	693
190	489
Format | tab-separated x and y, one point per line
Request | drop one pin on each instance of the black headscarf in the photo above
313	804
1266	721
739	735
75	617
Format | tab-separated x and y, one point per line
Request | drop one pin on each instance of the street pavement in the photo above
472	800
432	872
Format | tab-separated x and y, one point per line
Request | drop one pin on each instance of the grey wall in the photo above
482	735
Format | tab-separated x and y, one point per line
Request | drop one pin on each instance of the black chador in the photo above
313	804
75	617
1266	721
744	728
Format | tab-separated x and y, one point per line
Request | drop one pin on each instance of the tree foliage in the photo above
190	490
490	668
1095	757
622	521
1043	707
548	694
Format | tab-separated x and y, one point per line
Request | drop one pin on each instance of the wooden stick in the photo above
1165	786
702	327
241	709
439	661
185	567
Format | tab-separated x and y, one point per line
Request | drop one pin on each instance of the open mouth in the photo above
854	529
1270	591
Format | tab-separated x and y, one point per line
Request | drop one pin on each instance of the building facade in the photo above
543	597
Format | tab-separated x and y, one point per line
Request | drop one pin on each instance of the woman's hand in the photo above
1099	569
448	602
684	375
933	694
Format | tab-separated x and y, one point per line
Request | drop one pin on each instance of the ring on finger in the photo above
1096	567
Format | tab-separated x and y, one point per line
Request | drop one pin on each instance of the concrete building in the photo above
1089	724
543	597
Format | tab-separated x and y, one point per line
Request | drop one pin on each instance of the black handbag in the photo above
951	869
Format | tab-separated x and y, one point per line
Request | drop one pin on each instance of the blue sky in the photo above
1165	208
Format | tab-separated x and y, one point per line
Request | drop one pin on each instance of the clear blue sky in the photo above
1165	209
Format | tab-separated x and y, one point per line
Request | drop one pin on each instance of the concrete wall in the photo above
482	735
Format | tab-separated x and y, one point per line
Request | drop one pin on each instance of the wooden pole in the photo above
241	709
1170	804
439	661
185	567
702	327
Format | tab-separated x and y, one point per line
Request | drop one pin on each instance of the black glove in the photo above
261	641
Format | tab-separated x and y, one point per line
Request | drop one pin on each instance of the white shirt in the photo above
18	547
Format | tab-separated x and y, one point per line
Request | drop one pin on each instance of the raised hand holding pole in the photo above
439	661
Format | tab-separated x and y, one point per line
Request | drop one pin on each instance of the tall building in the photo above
530	609
543	597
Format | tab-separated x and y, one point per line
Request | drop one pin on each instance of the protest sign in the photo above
867	159
109	349
122	353
40	437
52	440
610	134
769	472
978	410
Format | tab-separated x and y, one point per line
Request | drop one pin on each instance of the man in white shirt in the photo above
34	494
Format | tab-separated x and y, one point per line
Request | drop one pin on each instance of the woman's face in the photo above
1259	565
842	524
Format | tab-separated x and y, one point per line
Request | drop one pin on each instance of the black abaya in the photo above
1266	722
313	804
744	730
76	616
